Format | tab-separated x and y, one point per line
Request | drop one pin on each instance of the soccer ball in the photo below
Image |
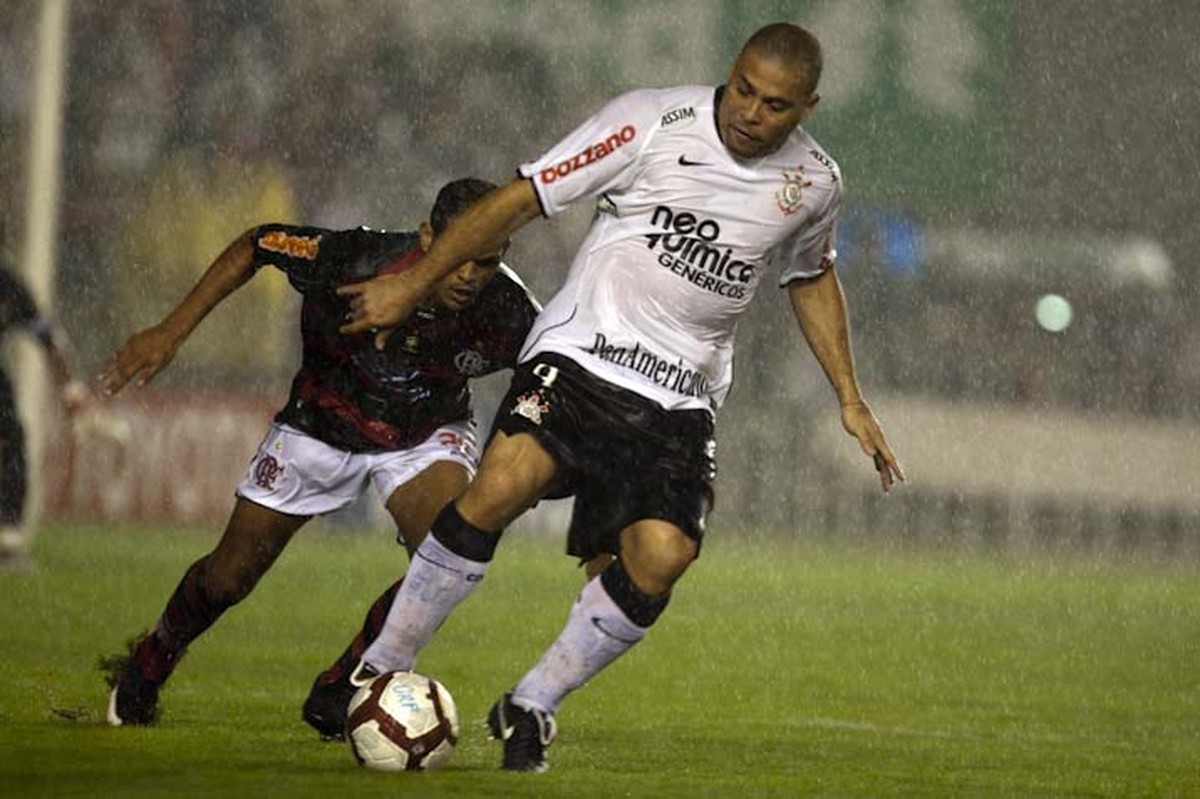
402	721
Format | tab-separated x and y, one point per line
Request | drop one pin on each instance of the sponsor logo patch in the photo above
588	155
679	116
826	162
305	247
661	371
690	247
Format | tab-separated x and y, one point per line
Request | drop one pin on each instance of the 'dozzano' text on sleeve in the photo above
598	156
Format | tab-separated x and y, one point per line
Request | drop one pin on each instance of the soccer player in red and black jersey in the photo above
399	417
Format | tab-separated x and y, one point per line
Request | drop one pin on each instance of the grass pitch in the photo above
781	669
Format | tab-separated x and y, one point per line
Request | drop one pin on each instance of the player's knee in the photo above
503	490
639	606
656	555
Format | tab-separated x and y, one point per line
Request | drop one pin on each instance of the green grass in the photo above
779	670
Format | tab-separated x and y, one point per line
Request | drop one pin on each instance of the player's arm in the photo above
481	230
73	393
820	308
147	352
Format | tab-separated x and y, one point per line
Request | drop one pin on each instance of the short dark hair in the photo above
454	198
793	45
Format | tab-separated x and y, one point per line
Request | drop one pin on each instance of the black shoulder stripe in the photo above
541	206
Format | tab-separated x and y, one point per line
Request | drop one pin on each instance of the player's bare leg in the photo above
253	539
598	564
413	506
451	562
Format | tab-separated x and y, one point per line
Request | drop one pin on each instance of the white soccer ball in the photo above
402	721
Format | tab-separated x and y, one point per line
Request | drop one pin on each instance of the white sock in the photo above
596	634
436	582
13	539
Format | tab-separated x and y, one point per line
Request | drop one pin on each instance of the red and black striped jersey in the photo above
360	399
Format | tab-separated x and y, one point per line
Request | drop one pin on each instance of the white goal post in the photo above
37	264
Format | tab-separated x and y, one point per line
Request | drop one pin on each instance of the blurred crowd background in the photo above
1018	249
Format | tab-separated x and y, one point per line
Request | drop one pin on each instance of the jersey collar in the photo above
403	262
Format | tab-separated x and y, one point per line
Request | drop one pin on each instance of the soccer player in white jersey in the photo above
701	192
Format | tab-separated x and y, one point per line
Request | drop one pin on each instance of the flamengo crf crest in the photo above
267	471
469	363
531	407
791	194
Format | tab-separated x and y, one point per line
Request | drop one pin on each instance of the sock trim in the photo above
462	538
638	606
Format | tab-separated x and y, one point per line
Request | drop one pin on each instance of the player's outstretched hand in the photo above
861	423
379	304
139	359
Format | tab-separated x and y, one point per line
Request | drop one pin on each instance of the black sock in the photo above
189	612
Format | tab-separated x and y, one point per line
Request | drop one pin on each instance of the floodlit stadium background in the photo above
1018	247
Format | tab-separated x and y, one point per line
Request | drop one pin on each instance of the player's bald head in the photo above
791	45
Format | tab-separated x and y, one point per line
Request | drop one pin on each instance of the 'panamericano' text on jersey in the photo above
682	236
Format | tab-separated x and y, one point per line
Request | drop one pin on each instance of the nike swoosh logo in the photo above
363	674
685	161
596	620
506	729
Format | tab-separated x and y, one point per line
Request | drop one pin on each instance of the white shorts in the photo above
296	474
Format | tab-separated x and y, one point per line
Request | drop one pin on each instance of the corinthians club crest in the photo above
791	194
531	406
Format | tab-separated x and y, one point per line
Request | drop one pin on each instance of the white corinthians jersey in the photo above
682	236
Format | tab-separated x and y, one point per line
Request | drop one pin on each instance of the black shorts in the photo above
623	457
